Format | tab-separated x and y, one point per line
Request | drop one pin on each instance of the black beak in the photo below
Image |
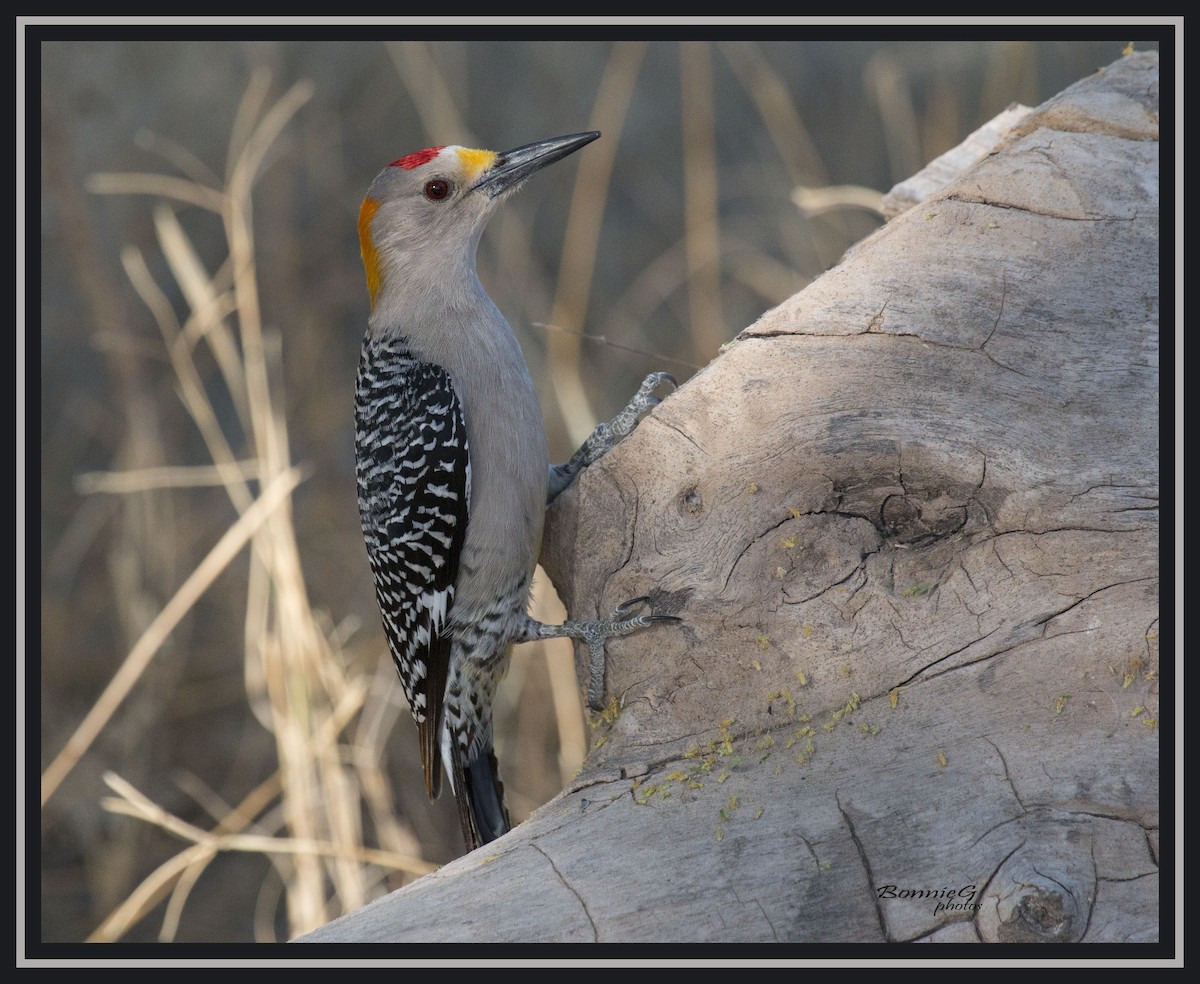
514	166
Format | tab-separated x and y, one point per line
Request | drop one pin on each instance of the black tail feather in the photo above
480	795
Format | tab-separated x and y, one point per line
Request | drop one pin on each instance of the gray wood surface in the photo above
910	519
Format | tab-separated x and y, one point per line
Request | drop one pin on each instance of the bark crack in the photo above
862	854
1007	775
1040	625
571	888
859	568
941	659
1144	874
1146	831
996	826
766	918
687	437
995	326
1045	213
746	549
808	845
990	879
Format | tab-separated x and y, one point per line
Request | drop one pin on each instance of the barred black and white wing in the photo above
414	486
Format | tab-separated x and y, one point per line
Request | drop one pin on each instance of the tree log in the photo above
910	521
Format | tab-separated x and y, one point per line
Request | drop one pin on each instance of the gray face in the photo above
424	214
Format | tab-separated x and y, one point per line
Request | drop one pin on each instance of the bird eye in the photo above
437	190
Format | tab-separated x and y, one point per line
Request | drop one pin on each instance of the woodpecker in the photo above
451	462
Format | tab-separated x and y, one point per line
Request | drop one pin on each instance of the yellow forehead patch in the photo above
475	162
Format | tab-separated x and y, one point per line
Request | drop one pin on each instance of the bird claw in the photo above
607	436
643	400
619	623
656	379
652	382
626	605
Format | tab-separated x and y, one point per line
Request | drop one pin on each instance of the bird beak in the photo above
514	166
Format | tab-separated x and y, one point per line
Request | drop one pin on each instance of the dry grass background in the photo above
225	754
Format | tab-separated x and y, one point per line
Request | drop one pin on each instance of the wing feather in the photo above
414	479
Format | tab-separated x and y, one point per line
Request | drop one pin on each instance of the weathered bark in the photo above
910	518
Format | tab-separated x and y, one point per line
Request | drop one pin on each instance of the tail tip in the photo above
481	801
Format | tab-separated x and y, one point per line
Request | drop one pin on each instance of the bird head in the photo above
422	217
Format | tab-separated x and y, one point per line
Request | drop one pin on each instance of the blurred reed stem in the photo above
298	683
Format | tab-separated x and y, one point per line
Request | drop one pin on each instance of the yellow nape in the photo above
475	162
370	255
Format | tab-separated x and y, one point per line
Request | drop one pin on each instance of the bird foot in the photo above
595	632
607	436
622	425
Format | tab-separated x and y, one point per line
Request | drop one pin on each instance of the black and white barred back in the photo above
414	487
